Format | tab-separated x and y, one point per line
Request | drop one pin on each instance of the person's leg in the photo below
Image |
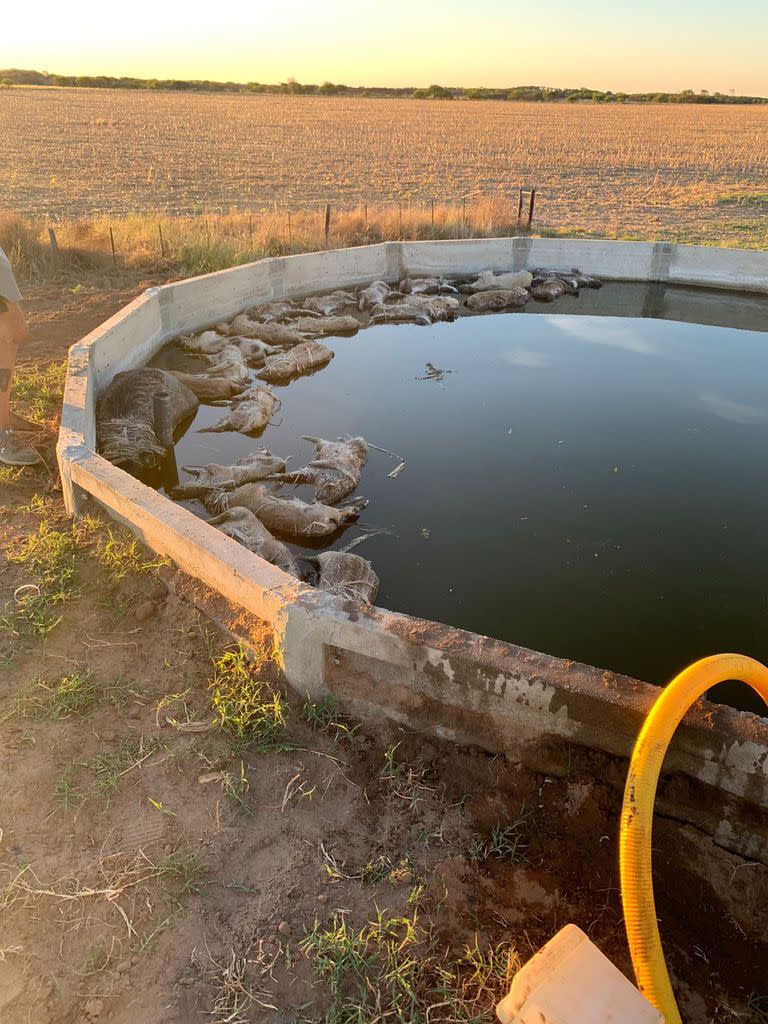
7	364
13	331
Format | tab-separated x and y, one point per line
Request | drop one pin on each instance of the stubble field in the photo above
685	173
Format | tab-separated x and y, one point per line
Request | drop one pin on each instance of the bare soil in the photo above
149	871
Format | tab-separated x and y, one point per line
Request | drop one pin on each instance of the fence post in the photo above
162	240
112	244
54	244
208	234
290	236
519	210
327	221
530	208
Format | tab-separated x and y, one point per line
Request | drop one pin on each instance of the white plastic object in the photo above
569	981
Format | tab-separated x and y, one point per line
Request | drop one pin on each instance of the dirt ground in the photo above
180	839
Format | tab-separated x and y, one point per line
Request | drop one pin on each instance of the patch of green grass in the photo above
248	708
324	716
181	875
393	969
75	694
65	793
49	558
123	556
40	390
505	842
235	788
108	766
758	1007
743	199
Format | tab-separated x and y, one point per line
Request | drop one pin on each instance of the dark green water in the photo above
595	487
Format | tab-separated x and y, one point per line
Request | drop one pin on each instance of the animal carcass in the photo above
304	358
243	526
125	416
250	412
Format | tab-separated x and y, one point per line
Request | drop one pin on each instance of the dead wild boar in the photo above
271	333
287	517
347	576
329	305
488	281
335	470
259	465
373	295
254	352
209	343
125	416
229	364
400	313
242	525
426	286
322	326
208	388
249	414
491	300
549	290
304	358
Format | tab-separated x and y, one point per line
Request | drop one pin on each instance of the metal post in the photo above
327	221
163	426
112	243
530	208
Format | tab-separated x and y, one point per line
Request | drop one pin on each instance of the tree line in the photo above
528	93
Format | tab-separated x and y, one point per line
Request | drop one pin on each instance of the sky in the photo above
623	46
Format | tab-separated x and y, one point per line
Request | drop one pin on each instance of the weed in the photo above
109	766
182	874
249	709
65	793
324	716
123	556
236	788
75	694
40	390
393	969
97	959
50	559
389	770
506	842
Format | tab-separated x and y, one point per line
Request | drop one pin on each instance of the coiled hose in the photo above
637	815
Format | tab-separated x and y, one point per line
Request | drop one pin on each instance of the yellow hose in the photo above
637	815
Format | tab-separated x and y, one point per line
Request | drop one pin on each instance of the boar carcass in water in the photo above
426	286
437	307
229	364
347	576
283	335
322	326
250	412
208	388
259	465
304	358
335	470
400	313
487	280
549	290
504	298
373	295
287	517
209	343
253	350
125	416
242	525
329	305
